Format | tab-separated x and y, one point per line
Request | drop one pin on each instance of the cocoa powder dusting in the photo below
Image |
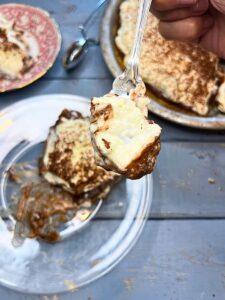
107	144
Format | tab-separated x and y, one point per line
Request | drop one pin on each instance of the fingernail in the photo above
208	22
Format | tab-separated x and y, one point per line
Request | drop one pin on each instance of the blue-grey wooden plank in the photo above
64	11
97	87
173	260
188	182
92	66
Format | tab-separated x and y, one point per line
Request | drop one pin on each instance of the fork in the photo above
130	78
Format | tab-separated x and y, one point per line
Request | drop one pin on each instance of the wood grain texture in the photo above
188	183
173	260
192	177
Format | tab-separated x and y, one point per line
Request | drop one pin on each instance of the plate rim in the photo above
106	44
59	46
43	97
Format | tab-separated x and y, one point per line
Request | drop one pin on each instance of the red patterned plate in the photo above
44	40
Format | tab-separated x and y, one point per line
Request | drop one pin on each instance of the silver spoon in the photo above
130	78
77	50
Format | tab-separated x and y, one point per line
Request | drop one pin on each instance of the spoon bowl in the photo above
75	53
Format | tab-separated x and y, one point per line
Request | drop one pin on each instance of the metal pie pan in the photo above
169	111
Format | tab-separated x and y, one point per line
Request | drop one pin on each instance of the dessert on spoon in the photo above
124	140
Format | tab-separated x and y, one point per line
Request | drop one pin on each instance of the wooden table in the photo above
181	253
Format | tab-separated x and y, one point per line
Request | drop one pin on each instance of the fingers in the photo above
181	13
176	10
163	5
175	15
188	30
184	20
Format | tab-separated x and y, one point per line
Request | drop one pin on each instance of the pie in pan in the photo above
179	72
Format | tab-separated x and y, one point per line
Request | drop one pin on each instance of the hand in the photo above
199	21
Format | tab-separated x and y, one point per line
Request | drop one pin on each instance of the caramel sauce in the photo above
40	209
44	209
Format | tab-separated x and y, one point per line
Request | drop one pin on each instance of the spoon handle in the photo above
87	22
143	11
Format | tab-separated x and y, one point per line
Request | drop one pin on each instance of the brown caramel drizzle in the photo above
40	209
43	209
3	36
107	143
